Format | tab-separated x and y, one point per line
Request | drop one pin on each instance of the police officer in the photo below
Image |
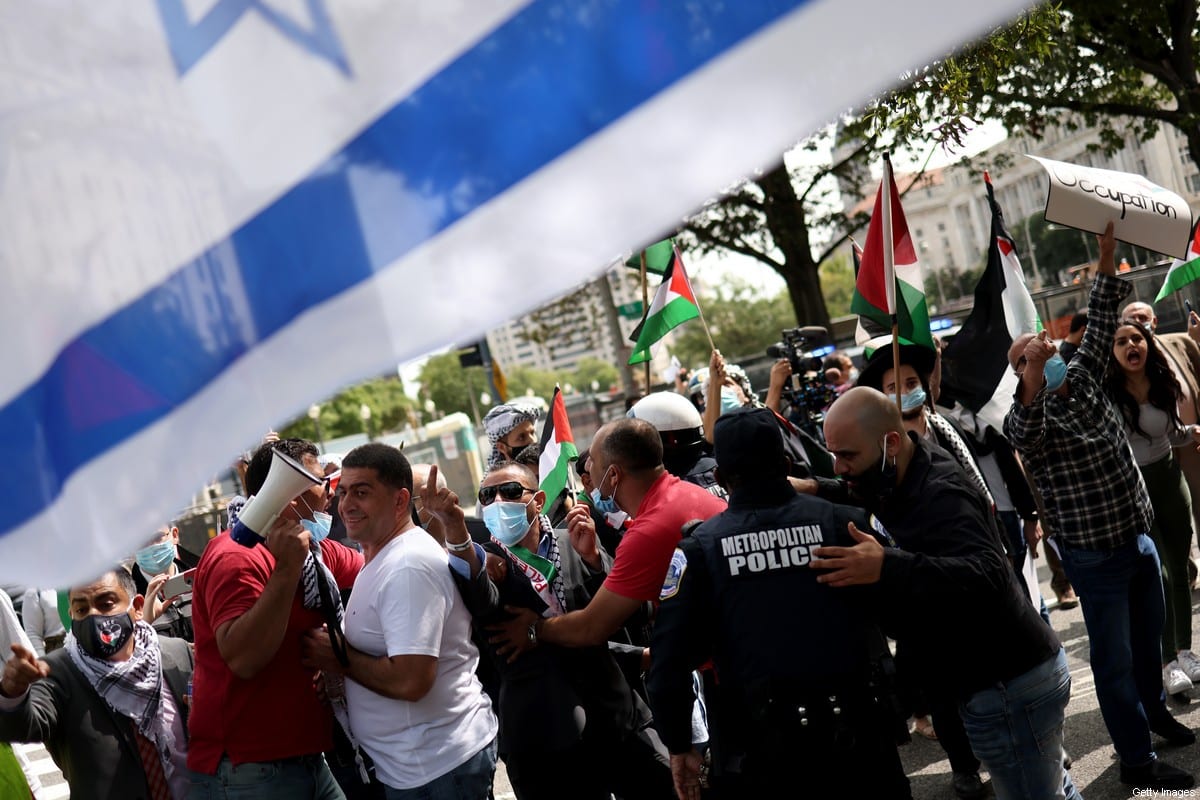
685	453
796	712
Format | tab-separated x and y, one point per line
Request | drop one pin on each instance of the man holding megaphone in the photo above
256	723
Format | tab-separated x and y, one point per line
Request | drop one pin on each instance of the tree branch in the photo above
1167	115
735	246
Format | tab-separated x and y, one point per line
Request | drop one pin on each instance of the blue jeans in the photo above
1015	729
302	778
1123	608
471	780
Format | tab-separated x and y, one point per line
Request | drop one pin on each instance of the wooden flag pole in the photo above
645	311
889	271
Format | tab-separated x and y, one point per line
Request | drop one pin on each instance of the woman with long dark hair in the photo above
1145	389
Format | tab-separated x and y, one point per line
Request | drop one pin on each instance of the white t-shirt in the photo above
405	603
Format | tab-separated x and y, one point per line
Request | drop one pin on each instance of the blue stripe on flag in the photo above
504	109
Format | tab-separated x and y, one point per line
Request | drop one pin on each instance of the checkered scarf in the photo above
501	421
132	688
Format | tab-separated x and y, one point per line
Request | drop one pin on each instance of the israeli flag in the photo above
215	211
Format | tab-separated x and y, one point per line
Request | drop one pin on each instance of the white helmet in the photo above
667	411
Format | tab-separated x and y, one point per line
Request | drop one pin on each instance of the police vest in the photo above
776	622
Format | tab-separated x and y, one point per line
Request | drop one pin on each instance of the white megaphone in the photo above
286	479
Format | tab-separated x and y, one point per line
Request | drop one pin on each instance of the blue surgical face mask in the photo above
913	399
508	522
729	400
605	505
156	559
1055	372
318	526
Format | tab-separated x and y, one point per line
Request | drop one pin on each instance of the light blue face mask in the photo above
156	559
913	399
605	505
318	526
729	400
1055	372
506	521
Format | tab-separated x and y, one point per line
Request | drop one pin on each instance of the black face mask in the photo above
877	482
513	452
103	636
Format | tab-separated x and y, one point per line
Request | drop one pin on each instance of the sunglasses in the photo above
510	490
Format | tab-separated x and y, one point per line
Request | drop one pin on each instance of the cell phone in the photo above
1188	305
179	585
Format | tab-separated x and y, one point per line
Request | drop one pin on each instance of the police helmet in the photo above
672	415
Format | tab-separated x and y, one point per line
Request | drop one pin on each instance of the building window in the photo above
941	227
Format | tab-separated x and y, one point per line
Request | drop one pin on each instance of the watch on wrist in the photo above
532	633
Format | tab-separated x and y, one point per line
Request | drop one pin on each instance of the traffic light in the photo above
470	356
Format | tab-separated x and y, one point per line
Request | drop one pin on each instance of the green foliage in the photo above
837	284
742	324
450	386
341	415
1124	66
590	369
522	379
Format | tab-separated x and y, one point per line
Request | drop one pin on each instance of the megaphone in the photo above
285	481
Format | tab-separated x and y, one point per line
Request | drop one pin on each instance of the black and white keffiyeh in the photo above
132	688
501	421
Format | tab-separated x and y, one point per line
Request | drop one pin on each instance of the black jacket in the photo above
740	592
92	745
551	697
948	588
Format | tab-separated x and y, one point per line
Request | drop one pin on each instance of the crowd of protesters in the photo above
722	603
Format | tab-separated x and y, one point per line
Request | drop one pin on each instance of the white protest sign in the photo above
1143	213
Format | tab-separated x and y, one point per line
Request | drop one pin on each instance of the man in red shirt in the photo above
257	728
627	469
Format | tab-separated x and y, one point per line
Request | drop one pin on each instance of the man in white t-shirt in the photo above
415	704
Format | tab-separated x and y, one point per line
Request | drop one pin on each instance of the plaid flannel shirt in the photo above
1075	448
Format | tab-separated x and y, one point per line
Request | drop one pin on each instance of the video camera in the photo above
809	393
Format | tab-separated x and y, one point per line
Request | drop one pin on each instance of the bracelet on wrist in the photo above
460	547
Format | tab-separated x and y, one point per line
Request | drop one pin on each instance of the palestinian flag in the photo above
975	368
867	329
658	257
557	449
674	304
1183	272
889	283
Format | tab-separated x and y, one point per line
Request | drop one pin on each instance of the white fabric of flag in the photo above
217	211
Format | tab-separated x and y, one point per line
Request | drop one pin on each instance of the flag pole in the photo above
889	271
699	310
645	310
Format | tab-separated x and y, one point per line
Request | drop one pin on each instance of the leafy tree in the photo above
523	379
341	415
1124	66
837	281
742	324
450	386
591	369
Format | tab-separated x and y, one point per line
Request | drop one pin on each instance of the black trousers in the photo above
635	767
819	766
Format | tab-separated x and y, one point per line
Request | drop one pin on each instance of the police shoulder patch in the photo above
674	575
877	524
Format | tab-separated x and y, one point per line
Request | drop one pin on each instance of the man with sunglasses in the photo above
258	729
546	744
628	456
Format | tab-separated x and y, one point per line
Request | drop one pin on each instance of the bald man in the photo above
1072	440
951	594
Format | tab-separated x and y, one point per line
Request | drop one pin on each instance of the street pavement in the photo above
1095	770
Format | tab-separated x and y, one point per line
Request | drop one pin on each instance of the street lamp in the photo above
364	411
314	413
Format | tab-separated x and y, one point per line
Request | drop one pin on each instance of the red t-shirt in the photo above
276	714
644	554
